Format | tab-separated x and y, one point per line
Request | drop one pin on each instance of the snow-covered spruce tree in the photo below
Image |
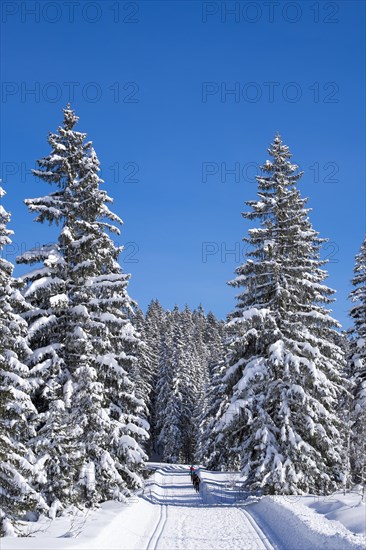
194	374
208	451
93	329
164	385
142	373
214	338
187	345
57	435
283	368
198	328
169	397
173	404
213	402
153	330
17	471
357	368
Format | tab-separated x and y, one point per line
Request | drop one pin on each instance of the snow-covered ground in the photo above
335	522
168	514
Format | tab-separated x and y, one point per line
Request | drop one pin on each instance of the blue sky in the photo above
151	83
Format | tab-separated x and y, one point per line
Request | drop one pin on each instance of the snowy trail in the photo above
170	515
190	522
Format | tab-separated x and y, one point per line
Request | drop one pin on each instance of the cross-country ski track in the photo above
196	520
169	515
155	537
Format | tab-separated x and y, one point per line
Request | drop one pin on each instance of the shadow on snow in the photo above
222	492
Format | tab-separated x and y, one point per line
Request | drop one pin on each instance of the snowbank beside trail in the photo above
294	522
348	509
115	526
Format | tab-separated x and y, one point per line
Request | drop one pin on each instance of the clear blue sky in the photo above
149	82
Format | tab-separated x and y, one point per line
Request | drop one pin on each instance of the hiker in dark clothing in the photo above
197	484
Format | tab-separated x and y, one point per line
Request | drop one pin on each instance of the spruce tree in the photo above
208	450
17	465
214	337
169	392
213	401
357	367
57	434
143	373
88	328
182	378
193	368
153	331
283	376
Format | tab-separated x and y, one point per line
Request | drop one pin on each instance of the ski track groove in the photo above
158	531
257	529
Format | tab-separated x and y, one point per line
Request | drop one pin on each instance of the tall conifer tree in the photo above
80	294
283	377
17	472
357	367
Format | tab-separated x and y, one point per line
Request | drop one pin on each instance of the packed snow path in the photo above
190	520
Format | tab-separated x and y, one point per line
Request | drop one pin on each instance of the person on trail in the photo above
194	479
197	485
191	471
